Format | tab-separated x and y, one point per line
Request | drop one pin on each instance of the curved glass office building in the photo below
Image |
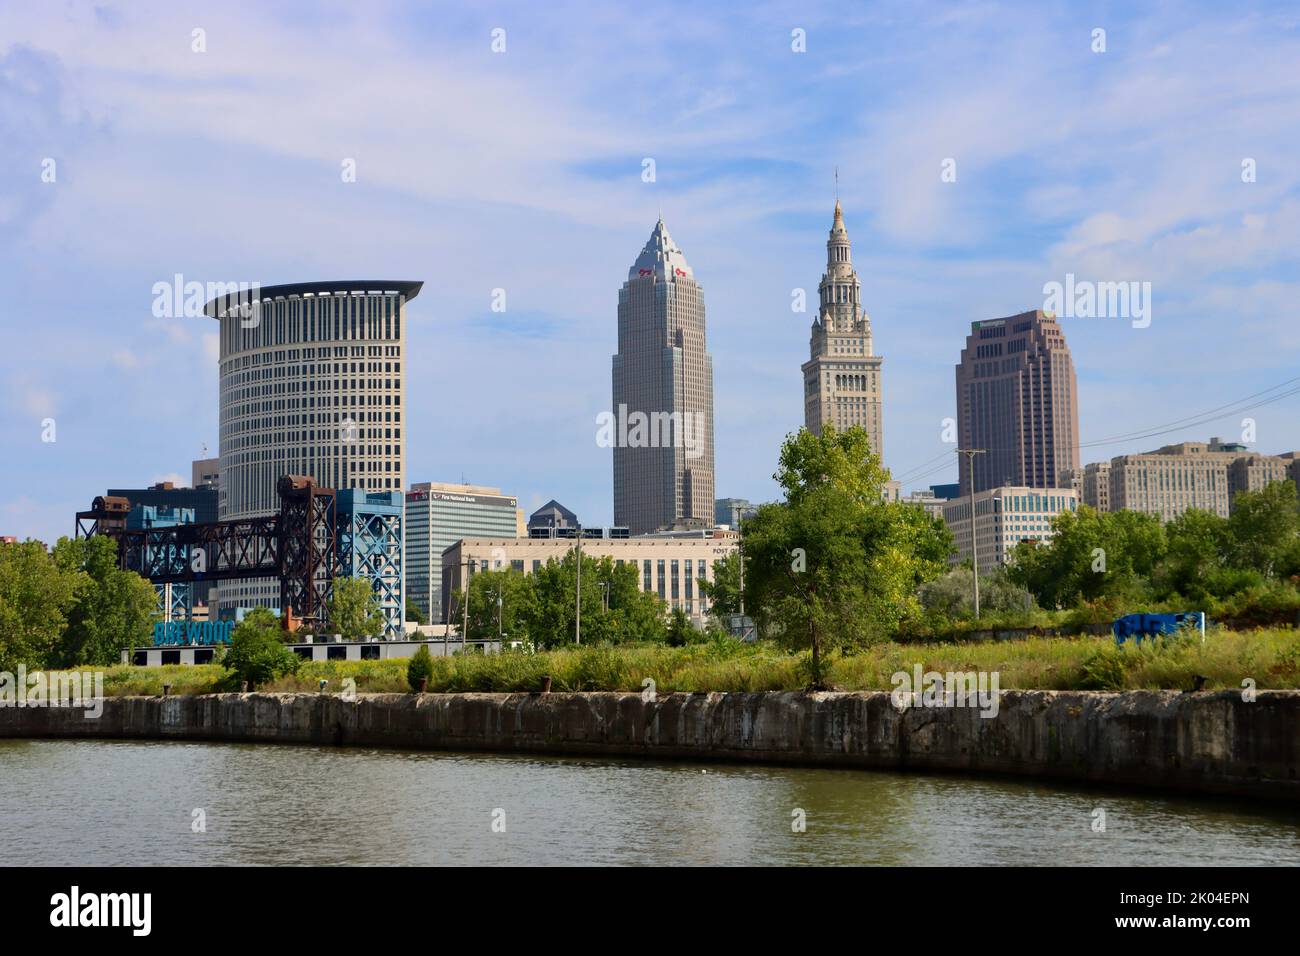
311	384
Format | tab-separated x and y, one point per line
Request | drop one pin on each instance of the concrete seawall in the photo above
1213	743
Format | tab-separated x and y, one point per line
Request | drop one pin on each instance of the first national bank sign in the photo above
171	633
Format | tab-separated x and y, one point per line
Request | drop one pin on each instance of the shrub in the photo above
420	667
256	652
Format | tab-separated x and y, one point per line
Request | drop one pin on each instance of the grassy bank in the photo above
1270	657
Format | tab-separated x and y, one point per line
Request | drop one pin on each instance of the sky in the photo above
983	150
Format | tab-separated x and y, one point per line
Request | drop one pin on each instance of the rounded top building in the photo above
311	384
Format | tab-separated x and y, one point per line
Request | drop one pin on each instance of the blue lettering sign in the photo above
174	633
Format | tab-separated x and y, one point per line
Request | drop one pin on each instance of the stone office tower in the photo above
841	379
663	395
1017	398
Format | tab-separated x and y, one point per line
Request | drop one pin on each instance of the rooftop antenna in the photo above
837	184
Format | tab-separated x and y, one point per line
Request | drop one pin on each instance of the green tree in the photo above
1195	565
354	610
724	591
420	667
114	609
834	565
951	595
614	608
1091	556
1264	526
413	613
680	630
515	593
256	653
36	597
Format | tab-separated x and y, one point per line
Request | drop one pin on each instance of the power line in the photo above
1235	407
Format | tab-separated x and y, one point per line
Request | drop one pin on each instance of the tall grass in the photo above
1271	658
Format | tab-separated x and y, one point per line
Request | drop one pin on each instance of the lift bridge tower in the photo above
317	535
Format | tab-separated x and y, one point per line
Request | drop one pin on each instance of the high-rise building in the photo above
1017	398
841	379
1202	475
311	384
663	394
1004	517
732	511
438	514
205	473
1096	485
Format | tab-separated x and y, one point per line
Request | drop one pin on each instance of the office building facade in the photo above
670	564
1017	399
438	514
841	379
1204	475
1003	518
663	394
311	383
732	511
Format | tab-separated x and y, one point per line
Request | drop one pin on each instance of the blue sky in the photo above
522	171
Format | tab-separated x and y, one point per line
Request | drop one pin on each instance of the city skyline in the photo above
542	207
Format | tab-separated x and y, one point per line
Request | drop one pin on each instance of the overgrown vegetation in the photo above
1243	570
1271	658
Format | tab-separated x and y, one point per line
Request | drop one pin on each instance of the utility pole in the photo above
464	633
970	454
577	614
740	547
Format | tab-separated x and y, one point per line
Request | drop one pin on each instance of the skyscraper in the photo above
311	384
438	514
663	395
841	379
1017	398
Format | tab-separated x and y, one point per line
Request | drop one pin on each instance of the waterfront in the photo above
84	802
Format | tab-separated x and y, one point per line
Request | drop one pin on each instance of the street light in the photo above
970	454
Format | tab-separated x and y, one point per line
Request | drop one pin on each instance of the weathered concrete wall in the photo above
1207	743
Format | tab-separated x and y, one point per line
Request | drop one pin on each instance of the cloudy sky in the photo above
522	170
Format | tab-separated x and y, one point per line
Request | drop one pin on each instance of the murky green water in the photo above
104	803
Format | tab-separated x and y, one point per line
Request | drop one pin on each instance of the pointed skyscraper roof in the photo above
660	257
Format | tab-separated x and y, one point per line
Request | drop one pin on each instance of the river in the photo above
152	803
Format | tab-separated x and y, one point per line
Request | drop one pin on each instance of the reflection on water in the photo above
102	803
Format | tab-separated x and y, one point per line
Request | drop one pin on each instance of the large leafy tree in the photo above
413	613
834	565
1265	526
614	608
113	609
1197	554
354	610
724	591
1092	555
36	597
516	596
